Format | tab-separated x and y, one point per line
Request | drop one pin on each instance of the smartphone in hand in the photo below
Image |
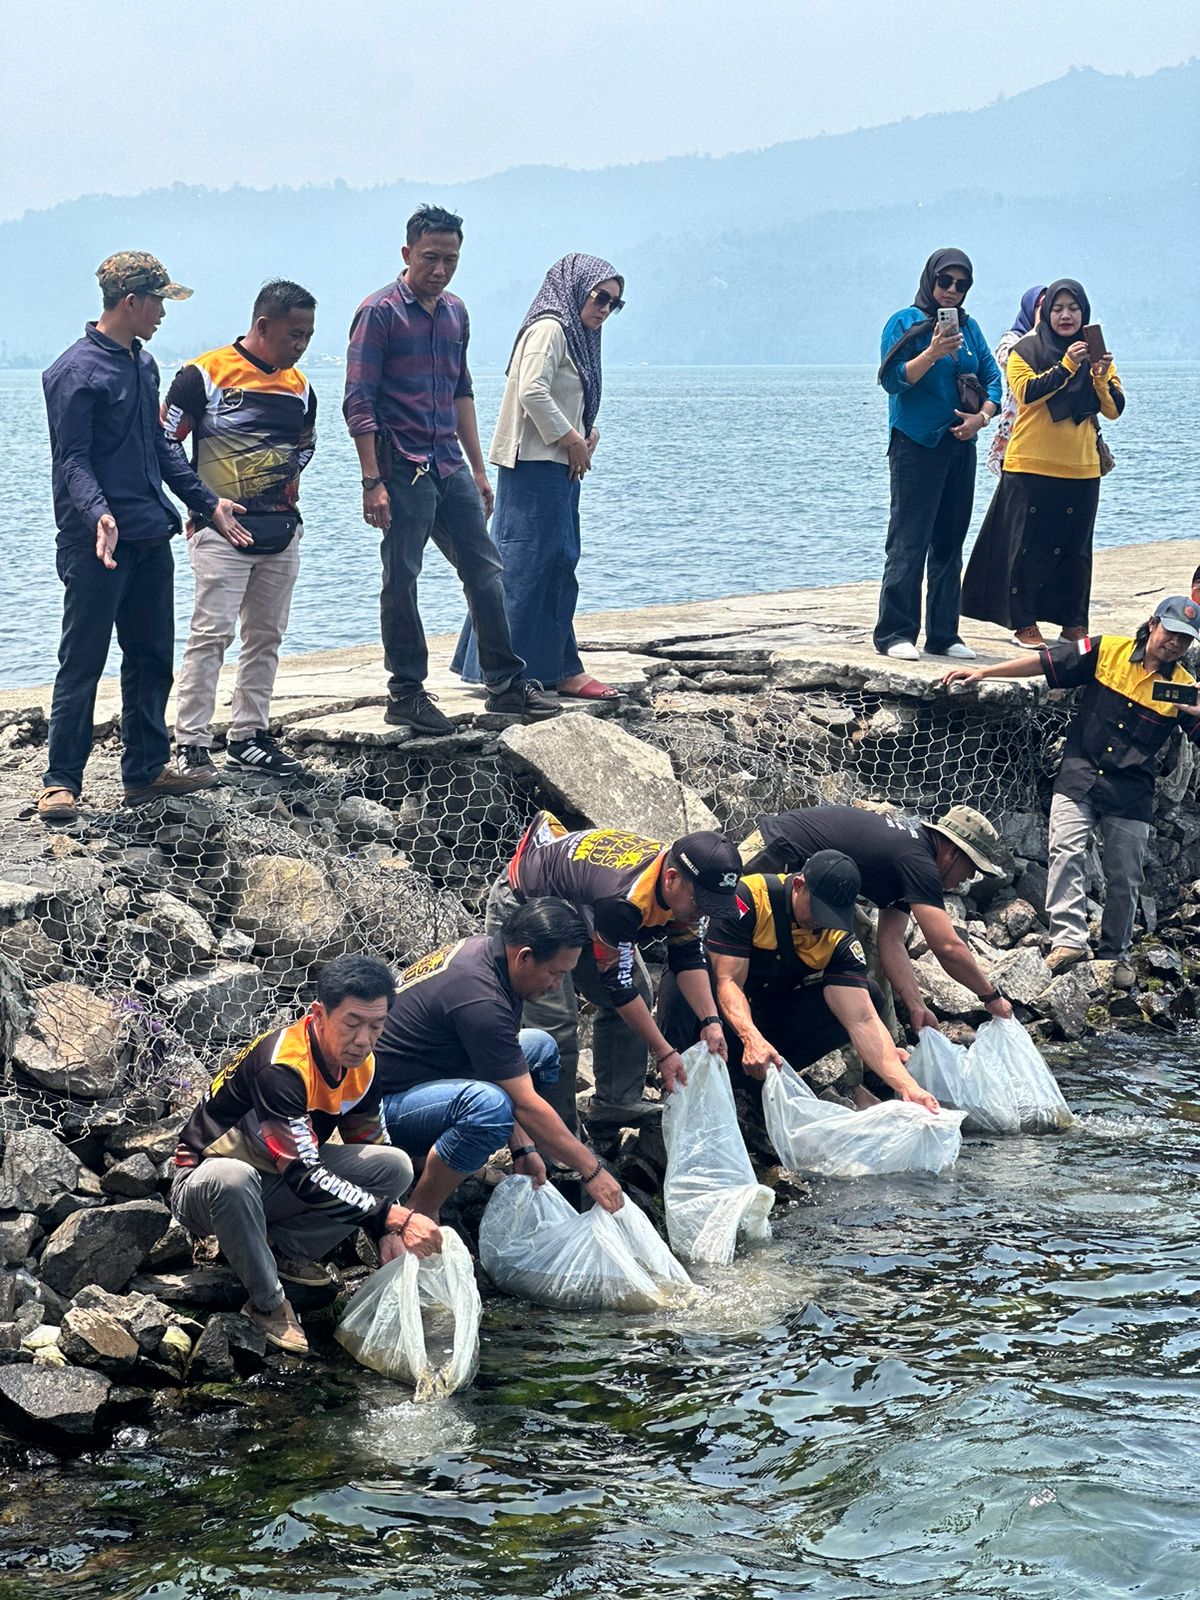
1093	336
947	320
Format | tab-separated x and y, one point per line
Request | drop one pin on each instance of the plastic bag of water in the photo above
710	1193
534	1244
831	1141
418	1320
957	1077
1005	1053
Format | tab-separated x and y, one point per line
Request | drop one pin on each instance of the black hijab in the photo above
1043	349
924	301
939	261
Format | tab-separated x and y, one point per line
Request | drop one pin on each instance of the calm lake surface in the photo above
979	1385
709	481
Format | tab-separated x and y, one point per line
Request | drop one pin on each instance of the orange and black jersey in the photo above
1115	738
783	956
275	1104
253	427
613	880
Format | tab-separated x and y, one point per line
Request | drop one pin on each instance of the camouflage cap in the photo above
975	836
138	272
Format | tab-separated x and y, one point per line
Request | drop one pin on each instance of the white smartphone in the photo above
947	319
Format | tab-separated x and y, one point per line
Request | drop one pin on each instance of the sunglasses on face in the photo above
947	280
605	301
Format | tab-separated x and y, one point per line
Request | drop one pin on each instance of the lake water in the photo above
709	481
978	1385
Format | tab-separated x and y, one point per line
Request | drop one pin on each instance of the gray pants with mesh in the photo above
1072	823
618	1056
240	1205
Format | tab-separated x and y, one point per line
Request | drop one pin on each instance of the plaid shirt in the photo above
404	371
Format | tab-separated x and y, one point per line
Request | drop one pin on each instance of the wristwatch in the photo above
986	999
371	483
706	1022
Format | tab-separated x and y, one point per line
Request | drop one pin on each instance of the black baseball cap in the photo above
712	865
833	883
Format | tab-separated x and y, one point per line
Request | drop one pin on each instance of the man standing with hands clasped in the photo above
410	409
110	459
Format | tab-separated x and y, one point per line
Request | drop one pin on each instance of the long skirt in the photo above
536	529
1032	561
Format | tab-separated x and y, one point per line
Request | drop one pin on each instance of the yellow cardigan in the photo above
1052	449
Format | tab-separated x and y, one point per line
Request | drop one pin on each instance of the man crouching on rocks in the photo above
254	1155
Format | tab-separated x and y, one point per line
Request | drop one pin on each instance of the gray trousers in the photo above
618	1056
239	1204
1072	823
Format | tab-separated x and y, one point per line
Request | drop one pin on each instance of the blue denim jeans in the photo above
450	511
932	494
138	598
536	529
464	1120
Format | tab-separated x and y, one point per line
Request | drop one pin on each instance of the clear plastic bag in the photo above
418	1320
534	1244
710	1193
956	1077
831	1141
1003	1051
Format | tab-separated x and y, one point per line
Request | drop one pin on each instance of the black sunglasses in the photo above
606	301
947	280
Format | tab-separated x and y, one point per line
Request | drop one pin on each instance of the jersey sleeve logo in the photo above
854	949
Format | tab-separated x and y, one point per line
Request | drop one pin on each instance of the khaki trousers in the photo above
233	587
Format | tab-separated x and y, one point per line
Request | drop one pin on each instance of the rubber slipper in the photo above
593	689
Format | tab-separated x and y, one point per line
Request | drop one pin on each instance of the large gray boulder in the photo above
141	1315
104	1246
1022	976
79	1043
132	1179
37	1169
592	769
37	957
176	933
289	908
55	1405
223	1004
944	994
17	1234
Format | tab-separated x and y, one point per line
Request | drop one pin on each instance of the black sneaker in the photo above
194	761
262	754
524	697
417	710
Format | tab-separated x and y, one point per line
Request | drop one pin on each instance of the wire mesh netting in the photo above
154	940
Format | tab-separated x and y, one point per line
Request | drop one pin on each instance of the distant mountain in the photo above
793	253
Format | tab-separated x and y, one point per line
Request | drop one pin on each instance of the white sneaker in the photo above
902	650
957	652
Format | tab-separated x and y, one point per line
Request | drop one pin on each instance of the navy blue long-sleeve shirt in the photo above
109	453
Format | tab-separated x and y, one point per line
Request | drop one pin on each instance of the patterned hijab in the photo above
564	289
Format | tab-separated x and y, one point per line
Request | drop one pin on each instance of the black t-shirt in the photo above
455	1015
897	859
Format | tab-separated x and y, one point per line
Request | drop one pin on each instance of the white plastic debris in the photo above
957	1077
1003	1052
535	1245
831	1141
419	1320
710	1194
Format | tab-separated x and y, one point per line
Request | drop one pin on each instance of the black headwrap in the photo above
1043	349
924	301
939	261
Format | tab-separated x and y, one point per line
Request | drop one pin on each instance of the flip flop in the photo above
593	689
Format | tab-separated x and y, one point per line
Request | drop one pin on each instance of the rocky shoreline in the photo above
138	947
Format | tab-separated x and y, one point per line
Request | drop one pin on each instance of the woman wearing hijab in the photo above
545	439
943	387
1032	560
1027	316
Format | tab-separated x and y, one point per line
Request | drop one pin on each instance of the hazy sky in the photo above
119	99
